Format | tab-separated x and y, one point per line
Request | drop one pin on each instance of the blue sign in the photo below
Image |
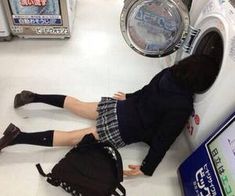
37	20
210	170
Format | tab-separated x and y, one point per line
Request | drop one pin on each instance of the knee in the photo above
76	136
95	133
92	131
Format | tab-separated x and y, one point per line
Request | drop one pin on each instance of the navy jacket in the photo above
156	115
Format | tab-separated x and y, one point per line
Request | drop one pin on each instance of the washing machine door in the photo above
154	28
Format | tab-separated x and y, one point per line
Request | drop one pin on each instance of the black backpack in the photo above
91	168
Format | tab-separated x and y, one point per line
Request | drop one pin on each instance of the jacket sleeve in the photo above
172	125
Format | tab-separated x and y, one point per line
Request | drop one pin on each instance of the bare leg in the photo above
71	138
83	109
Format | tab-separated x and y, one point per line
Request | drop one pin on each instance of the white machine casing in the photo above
28	24
215	23
4	28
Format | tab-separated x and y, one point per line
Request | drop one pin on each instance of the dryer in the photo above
214	35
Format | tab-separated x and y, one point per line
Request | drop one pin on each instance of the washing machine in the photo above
157	28
213	35
4	28
40	18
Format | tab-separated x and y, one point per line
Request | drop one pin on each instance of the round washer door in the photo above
154	28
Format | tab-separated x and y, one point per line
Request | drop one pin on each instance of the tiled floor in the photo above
95	62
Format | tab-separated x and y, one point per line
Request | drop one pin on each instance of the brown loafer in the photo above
10	134
23	98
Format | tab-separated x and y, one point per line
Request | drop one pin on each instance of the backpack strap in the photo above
121	189
40	170
51	180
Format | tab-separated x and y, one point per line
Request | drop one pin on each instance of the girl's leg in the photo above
71	138
13	136
83	109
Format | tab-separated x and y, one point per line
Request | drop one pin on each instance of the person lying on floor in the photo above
155	114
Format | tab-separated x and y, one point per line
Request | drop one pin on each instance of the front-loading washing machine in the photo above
157	28
154	28
214	35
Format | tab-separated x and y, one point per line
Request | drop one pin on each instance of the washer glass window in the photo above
155	27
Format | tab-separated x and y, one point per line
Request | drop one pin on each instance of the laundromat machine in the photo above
40	18
214	36
5	34
157	28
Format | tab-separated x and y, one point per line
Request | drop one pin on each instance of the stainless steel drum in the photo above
154	28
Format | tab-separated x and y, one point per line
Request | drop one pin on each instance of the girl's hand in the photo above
119	96
134	171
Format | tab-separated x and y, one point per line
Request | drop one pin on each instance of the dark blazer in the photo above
156	115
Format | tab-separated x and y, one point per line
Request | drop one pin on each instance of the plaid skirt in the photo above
107	122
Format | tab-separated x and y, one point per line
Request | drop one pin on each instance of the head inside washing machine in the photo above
195	73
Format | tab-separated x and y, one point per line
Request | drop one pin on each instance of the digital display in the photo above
36	12
222	153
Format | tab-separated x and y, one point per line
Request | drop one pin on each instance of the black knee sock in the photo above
55	100
44	138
